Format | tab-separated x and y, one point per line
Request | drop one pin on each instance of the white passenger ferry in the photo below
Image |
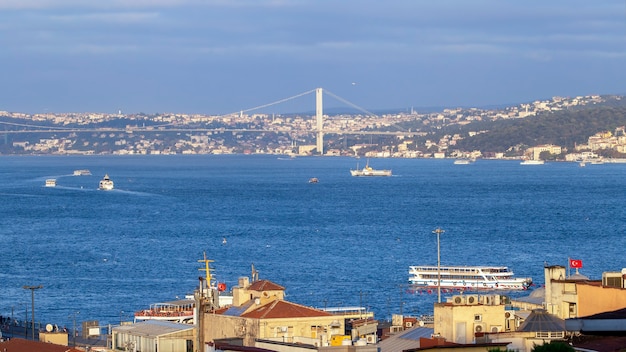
180	311
467	278
82	172
106	183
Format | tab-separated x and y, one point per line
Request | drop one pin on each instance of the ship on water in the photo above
369	171
82	172
467	278
183	310
106	184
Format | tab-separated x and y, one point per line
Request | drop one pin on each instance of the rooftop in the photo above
21	345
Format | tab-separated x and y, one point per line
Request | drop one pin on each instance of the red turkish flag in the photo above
575	263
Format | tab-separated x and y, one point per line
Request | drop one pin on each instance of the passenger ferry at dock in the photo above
184	310
467	278
180	311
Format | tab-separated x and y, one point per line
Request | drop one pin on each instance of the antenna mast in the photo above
207	270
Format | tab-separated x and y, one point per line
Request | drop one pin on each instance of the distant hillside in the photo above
563	128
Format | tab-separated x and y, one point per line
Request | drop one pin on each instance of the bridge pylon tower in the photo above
319	112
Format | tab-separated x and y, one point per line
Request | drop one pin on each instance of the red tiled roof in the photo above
265	285
283	309
220	310
21	345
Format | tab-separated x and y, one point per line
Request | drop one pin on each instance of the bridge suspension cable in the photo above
274	103
305	93
349	103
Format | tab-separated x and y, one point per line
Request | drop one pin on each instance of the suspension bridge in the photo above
176	127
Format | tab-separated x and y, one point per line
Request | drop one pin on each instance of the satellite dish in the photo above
49	327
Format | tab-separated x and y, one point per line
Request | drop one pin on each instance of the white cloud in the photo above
107	17
136	4
79	4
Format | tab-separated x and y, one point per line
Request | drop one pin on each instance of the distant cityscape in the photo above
282	134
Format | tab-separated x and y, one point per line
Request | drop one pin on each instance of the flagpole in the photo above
569	266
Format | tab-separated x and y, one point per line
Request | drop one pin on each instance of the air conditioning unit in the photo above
408	324
496	301
472	299
478	328
487	300
458	299
284	329
509	315
372	339
496	328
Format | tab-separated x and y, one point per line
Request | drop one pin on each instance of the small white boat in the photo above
463	161
51	182
532	162
106	184
369	171
82	172
313	180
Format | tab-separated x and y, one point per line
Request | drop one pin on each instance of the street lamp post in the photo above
32	295
438	231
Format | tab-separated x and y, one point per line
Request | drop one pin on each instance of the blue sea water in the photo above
344	241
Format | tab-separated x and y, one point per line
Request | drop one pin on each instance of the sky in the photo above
224	56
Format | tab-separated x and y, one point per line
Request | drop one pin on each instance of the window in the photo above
478	317
550	334
572	310
613	282
189	345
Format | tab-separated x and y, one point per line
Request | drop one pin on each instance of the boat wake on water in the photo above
117	190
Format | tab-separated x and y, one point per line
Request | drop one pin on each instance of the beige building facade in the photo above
576	296
552	149
462	317
259	311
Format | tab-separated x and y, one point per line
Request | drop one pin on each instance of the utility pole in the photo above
32	295
438	231
74	331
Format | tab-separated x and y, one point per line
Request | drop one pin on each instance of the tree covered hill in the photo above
564	128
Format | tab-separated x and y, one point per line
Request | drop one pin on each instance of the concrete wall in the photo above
57	338
571	299
594	299
458	322
287	329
